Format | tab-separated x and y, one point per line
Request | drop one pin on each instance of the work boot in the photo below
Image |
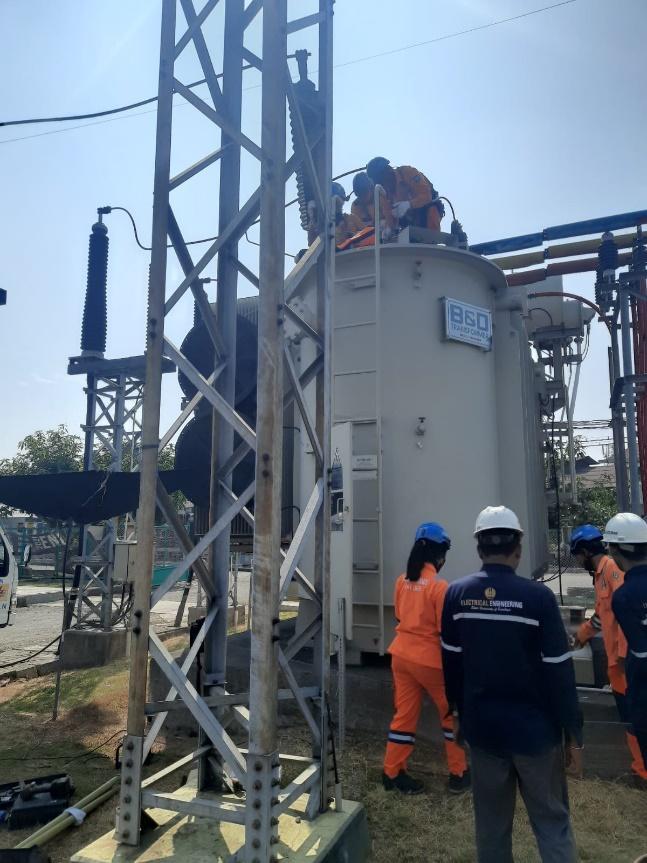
403	783
639	782
459	784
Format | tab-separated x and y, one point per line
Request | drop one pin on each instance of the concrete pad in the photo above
89	648
38	597
333	838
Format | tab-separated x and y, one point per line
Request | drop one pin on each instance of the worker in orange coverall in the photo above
364	204
413	199
347	225
588	548
417	663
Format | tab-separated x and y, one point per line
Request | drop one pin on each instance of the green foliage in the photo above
596	505
102	459
51	451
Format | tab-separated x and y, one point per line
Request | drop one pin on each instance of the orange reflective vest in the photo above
419	609
608	578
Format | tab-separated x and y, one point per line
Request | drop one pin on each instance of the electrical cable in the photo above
109	208
32	655
451	206
65	758
542	309
123	108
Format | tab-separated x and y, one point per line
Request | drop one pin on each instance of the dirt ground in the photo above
610	819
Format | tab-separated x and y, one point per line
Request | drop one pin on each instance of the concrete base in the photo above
333	838
88	648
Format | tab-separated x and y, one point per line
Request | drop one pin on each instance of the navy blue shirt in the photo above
507	663
629	605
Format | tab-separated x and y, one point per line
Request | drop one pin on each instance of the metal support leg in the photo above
222	439
128	828
617	426
325	279
630	405
263	681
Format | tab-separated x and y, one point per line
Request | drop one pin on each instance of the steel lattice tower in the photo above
279	384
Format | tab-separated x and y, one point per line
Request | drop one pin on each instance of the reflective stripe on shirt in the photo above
451	647
509	618
561	658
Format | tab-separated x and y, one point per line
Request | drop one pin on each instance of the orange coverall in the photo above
365	210
417	668
608	578
348	225
412	186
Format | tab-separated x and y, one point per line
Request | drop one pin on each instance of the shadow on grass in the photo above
78	688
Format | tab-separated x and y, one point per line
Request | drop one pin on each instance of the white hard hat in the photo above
626	528
497	518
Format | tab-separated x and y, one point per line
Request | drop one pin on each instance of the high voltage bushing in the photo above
608	253
606	272
94	328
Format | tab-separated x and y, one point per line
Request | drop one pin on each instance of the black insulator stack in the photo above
95	317
639	253
607	255
312	113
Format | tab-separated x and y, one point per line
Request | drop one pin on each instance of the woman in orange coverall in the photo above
417	663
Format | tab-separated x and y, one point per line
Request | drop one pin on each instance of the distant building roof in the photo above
597	474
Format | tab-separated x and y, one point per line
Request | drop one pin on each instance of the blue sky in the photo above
531	123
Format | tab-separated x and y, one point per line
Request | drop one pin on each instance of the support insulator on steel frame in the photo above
606	272
95	317
312	112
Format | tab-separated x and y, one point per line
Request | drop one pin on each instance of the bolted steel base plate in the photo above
333	837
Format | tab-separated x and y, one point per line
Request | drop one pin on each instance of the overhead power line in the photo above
125	108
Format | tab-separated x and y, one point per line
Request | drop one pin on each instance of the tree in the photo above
596	505
51	451
58	451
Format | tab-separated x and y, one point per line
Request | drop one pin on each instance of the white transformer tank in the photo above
436	414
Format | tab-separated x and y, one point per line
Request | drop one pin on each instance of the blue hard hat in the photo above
362	183
375	168
337	190
434	532
584	533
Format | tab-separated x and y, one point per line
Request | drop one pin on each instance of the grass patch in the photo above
78	688
610	819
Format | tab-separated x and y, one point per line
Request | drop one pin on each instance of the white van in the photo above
8	578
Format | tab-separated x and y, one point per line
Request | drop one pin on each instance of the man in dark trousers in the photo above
509	677
626	534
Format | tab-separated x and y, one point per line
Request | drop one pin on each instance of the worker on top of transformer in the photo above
364	204
588	548
346	224
509	676
626	535
413	199
417	665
